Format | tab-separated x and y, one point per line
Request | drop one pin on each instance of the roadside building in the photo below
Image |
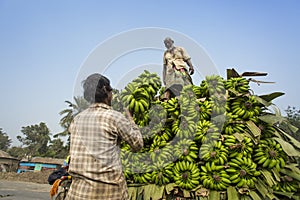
39	164
8	163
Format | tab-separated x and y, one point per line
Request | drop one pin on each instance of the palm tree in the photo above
69	113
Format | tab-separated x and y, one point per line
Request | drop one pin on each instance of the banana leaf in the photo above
287	194
253	128
135	192
295	142
276	174
272	96
262	188
232	193
268	177
153	191
276	110
290	173
293	167
254	195
262	101
272	119
214	195
170	187
288	148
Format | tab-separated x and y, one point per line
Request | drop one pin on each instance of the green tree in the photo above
69	113
293	116
17	152
5	141
56	149
36	139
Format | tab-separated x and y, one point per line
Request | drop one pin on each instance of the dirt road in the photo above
17	190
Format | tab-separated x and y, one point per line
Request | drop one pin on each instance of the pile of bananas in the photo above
270	154
205	138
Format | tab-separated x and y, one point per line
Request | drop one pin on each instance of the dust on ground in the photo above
33	177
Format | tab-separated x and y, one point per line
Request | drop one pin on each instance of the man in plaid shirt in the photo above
96	134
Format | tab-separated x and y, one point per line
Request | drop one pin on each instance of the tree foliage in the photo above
36	138
69	113
17	152
5	141
56	149
293	116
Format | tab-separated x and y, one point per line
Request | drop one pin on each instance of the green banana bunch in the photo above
126	94
218	104
286	184
243	172
186	175
126	165
141	168
129	158
206	131
149	79
246	107
183	127
269	154
162	173
172	107
116	102
234	124
139	101
142	119
237	86
215	84
243	147
163	154
157	144
214	152
186	150
204	108
214	177
165	133
142	177
203	89
187	98
267	130
191	111
197	91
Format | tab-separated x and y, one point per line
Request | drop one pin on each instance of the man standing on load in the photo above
175	73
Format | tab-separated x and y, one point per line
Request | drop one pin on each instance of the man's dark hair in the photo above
96	88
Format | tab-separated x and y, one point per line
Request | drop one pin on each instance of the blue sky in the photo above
43	45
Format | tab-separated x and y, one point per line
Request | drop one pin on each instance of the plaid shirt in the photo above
95	163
